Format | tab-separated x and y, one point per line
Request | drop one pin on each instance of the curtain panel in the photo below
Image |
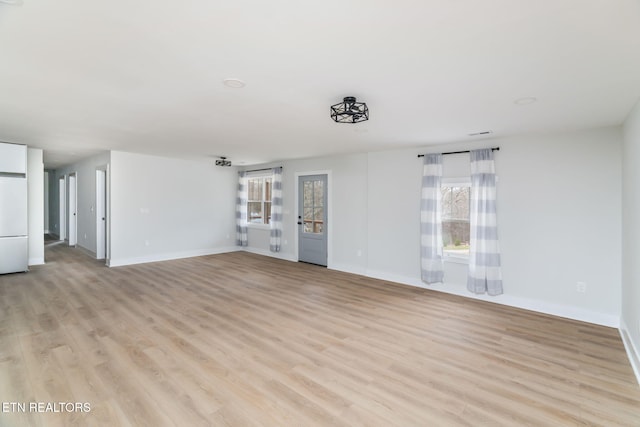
241	209
484	258
276	210
431	220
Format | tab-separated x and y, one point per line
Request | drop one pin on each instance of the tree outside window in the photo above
455	220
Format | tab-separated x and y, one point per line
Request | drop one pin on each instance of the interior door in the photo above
101	214
62	220
312	219
73	218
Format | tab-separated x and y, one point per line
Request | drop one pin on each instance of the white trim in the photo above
36	261
258	226
85	251
264	252
455	259
347	268
461	181
568	312
263	175
47	231
170	256
632	351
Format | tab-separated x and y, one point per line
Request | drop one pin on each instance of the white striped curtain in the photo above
276	210
484	257
241	209
431	220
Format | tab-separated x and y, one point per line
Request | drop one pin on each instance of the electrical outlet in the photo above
581	287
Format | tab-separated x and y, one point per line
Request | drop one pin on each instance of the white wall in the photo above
86	201
558	213
559	219
630	319
35	189
164	208
347	220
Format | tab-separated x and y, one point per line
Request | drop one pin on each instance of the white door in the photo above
73	218
312	219
62	220
101	214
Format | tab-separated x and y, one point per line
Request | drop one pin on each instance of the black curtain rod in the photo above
263	169
461	152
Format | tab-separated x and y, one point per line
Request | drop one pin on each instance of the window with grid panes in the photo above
456	200
259	200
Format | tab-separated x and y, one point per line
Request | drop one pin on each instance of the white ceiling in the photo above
78	77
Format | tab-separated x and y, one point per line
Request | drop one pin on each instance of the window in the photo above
313	205
455	220
259	200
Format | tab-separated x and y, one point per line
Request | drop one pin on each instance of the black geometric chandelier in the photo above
350	111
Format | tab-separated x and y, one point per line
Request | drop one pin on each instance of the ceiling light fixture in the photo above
223	161
349	111
11	2
234	83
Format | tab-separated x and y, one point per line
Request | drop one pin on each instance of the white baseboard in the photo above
559	310
87	251
47	232
632	350
36	261
347	268
118	262
279	255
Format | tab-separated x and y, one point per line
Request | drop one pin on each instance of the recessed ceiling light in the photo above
525	101
11	2
234	83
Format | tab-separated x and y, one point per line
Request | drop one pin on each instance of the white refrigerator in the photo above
14	250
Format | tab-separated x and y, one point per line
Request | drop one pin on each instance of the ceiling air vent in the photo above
484	132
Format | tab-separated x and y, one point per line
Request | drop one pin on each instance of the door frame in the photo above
329	212
62	207
102	192
73	222
47	196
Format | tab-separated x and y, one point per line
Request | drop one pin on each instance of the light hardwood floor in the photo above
239	339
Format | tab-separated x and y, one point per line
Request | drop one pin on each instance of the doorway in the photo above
73	205
312	219
62	206
101	213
